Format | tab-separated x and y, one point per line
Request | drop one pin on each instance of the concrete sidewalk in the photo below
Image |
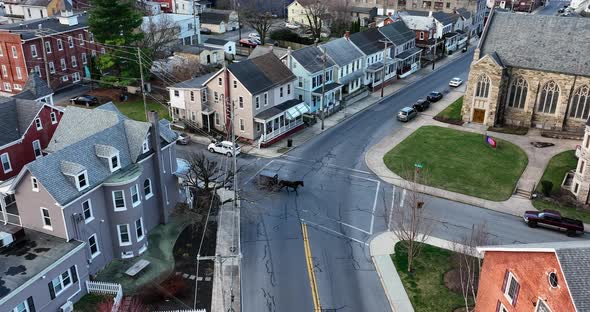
381	248
279	148
516	205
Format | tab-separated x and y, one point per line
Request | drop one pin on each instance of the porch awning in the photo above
275	111
5	186
297	111
408	53
350	77
327	88
208	111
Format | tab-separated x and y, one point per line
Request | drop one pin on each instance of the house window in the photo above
65	78
176	93
70	41
518	92
53	117
1	52
63	64
37	149
220	80
300	82
257	102
135	199
582	165
51	68
241	102
124	239
4	71
87	210
281	91
265	98
542	306
119	200
38	70
217	122
82	180
216	96
6	166
145	147
192	96
29	12
235	84
38	124
93	53
242	125
48	47
60	45
17	86
127	254
91	36
7	86
46	219
576	186
421	35
84	59
34	184
139	229
25	306
147	188
19	74
76	77
500	307
288	89
93	244
114	162
33	50
74	61
511	288
553	280
204	96
580	104
103	50
548	98
14	52
482	87
61	283
81	39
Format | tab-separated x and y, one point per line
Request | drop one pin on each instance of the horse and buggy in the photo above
269	179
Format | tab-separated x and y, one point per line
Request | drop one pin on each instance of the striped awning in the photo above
297	111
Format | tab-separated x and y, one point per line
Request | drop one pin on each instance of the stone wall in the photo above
581	184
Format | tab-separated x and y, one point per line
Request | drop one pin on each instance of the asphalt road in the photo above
552	7
343	205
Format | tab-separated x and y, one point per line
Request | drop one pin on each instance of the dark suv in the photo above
434	96
421	105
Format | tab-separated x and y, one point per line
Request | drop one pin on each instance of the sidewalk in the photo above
381	248
515	205
301	137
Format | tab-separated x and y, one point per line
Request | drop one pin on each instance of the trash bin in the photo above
289	142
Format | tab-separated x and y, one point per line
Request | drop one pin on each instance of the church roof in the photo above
556	45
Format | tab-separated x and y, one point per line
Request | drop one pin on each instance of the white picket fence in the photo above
104	288
191	310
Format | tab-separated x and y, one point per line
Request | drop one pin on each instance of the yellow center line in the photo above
312	282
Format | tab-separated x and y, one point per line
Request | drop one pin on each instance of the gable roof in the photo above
558	49
464	13
368	41
29	29
197	82
311	58
216	41
398	33
209	17
342	51
73	148
444	18
416	22
16	115
261	73
260	50
35	88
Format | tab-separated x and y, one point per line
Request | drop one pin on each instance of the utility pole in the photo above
323	87
45	61
196	35
435	43
142	83
384	65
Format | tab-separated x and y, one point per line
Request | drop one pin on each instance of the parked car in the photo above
434	96
223	147
183	138
245	42
254	36
406	114
85	99
561	10
553	219
291	25
421	105
205	31
455	82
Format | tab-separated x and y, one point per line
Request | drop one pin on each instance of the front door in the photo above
478	115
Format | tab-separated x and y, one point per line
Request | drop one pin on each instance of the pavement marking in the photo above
329	165
374	206
401	203
340	222
335	232
257	172
364	178
310	271
391	210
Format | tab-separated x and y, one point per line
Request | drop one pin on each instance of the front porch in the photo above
8	210
408	62
332	98
279	121
376	72
451	42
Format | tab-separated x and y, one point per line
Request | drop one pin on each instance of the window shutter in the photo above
74	274
498	306
31	304
505	281
51	291
516	294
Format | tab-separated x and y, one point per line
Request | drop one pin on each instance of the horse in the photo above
290	184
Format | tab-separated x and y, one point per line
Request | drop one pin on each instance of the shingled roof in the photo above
342	51
261	73
557	44
397	32
311	59
16	116
368	41
35	88
50	25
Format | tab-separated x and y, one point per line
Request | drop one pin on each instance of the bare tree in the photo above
317	15
412	228
468	262
260	21
160	34
187	68
206	174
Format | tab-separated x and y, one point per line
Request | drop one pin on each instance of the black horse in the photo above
290	184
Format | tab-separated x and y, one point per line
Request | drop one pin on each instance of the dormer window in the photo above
146	144
114	162
110	155
82	180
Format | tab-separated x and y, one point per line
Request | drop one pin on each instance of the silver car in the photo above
406	114
183	138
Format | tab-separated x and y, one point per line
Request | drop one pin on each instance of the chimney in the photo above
347	35
159	178
389	14
289	61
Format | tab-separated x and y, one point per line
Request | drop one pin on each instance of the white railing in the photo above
10	218
104	288
281	131
191	310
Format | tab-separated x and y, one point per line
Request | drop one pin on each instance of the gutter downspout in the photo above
159	177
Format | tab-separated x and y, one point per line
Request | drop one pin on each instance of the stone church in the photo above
530	71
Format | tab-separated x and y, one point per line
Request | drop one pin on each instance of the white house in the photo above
229	47
188	34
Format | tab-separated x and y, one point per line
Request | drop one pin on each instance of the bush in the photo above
546	187
285	34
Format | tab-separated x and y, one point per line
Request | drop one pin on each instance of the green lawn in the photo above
566	211
136	111
557	168
425	286
459	161
453	111
89	302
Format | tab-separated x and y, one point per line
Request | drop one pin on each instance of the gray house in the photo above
105	183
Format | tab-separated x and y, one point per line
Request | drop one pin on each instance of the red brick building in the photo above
535	278
59	48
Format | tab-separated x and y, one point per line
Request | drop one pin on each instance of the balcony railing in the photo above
282	130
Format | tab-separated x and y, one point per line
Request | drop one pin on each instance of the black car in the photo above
84	100
434	96
421	105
